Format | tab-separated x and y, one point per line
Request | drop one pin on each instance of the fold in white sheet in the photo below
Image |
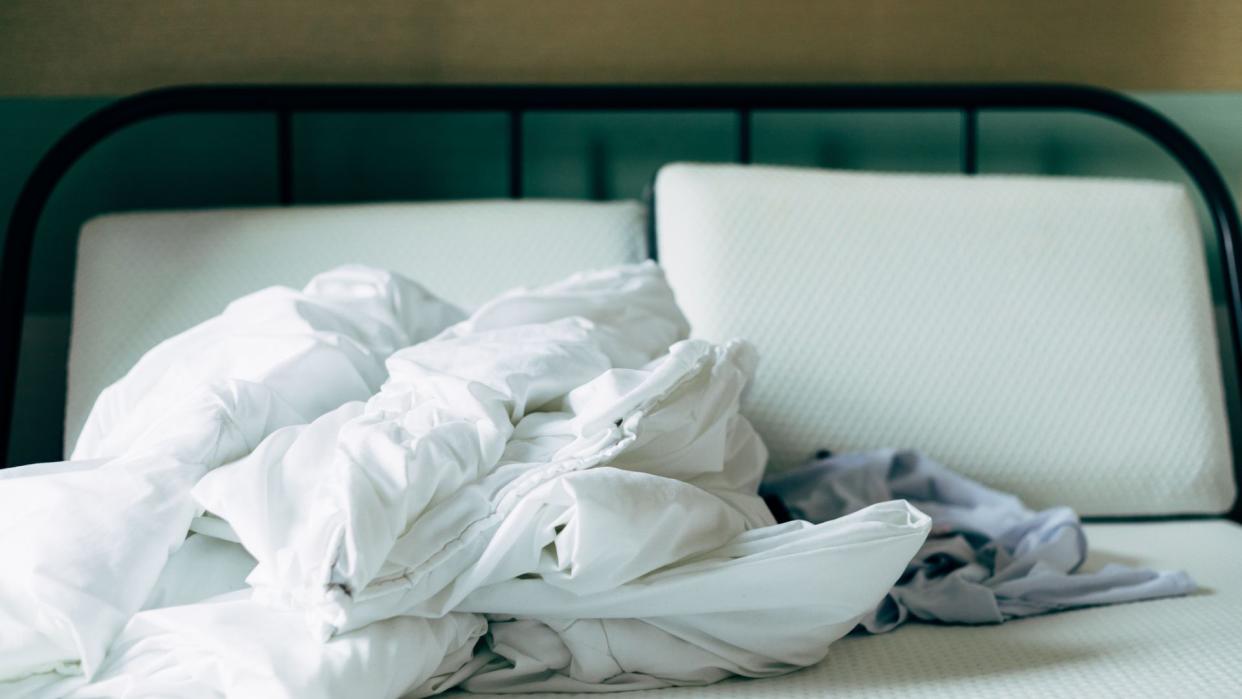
769	601
201	568
84	543
233	646
388	507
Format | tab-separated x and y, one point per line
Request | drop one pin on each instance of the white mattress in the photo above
146	276
1052	337
1187	647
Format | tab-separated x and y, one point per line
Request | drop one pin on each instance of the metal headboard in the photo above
285	101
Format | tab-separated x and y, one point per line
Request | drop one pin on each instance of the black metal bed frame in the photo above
515	101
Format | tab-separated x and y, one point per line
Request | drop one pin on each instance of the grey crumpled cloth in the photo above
988	557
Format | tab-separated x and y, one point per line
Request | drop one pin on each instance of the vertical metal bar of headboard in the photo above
515	154
284	155
970	141
743	136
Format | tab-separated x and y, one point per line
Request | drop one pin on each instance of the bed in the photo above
1054	337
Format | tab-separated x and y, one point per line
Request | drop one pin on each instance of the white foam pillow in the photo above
144	277
1050	336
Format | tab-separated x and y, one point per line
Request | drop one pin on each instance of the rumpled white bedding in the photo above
389	498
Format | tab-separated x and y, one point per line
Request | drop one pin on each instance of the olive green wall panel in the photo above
40	389
340	157
601	155
864	140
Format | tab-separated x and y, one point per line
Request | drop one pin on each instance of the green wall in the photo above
222	160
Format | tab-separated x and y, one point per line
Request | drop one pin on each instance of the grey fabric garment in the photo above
988	557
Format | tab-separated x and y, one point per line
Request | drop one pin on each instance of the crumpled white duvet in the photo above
384	497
